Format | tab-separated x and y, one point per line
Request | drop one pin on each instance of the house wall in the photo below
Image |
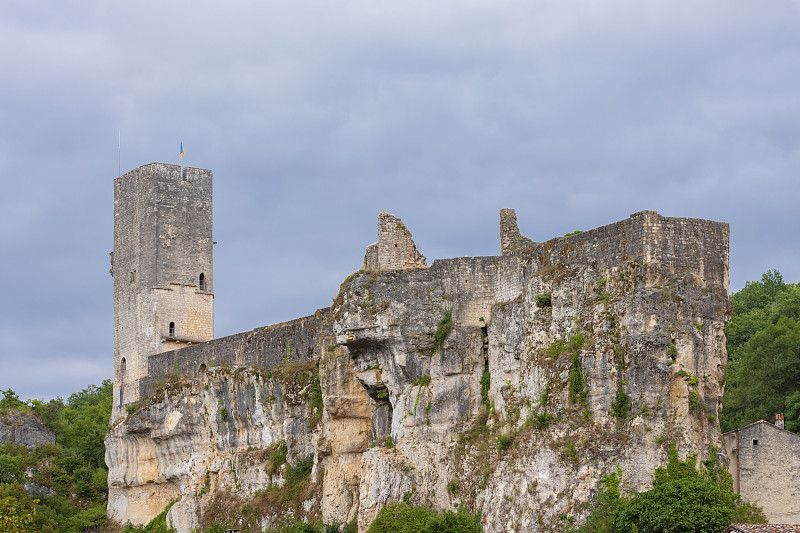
765	465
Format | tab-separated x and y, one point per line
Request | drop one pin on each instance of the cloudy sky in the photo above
317	115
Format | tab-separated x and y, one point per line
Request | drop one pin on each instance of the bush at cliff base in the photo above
405	518
683	500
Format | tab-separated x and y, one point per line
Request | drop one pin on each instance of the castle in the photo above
399	357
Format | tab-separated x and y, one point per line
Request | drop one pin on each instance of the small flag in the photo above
181	151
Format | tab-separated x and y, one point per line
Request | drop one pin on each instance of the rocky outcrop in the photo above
199	439
25	429
509	385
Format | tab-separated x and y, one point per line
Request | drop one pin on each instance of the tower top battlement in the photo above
167	171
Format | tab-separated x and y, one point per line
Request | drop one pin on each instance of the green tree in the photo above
17	509
683	500
11	400
764	354
688	505
74	467
10	470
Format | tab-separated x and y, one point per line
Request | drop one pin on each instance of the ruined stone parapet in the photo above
395	248
510	237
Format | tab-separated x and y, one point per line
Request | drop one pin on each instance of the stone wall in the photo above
764	461
510	238
404	357
669	247
303	339
395	248
162	244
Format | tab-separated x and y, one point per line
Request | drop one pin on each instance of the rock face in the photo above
24	429
509	385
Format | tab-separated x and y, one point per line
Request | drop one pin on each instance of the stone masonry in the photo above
395	247
401	356
162	265
764	460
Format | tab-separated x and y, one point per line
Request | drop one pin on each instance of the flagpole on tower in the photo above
181	153
119	152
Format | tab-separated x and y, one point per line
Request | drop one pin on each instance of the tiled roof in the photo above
763	528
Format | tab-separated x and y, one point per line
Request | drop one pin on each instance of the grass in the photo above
503	442
486	381
423	381
442	331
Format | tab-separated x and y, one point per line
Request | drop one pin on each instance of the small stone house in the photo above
764	460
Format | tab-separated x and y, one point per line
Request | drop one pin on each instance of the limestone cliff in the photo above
506	384
24	429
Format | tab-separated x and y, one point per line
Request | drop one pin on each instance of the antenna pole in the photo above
119	152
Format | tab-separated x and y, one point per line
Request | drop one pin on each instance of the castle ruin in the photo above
639	304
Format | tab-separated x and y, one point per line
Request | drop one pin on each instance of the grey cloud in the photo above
315	116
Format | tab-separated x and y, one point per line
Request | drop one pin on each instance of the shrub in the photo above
424	380
405	518
576	383
486	381
672	351
543	420
300	470
503	442
622	404
442	330
555	349
575	342
543	299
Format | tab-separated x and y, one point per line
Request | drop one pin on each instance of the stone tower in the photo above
162	265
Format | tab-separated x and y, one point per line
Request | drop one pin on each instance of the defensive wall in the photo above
666	248
268	347
671	247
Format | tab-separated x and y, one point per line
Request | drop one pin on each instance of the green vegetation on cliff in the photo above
683	499
406	518
764	354
71	473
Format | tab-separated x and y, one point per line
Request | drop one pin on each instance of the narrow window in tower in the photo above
172	330
202	281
